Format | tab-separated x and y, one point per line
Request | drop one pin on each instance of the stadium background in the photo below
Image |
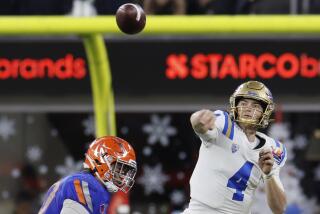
46	118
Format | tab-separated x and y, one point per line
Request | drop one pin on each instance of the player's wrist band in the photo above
268	176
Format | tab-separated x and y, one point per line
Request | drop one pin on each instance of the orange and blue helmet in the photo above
113	162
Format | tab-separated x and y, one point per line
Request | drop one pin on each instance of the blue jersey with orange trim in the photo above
227	172
81	187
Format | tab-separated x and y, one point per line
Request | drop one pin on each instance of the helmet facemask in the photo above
248	115
123	174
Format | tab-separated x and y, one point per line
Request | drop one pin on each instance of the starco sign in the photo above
246	65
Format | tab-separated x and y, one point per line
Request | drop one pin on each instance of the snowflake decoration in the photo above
34	153
153	179
43	169
300	141
147	151
159	130
182	155
177	197
69	167
89	126
7	128
15	173
317	173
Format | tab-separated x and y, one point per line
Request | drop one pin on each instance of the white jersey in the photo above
227	172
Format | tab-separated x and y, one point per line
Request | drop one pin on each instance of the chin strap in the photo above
108	184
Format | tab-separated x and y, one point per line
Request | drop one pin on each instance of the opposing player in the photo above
110	165
234	157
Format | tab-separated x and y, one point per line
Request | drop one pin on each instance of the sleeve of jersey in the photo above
223	125
78	191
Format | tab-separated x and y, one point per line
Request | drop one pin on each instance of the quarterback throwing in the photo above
234	157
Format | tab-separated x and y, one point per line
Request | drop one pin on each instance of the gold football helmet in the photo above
257	91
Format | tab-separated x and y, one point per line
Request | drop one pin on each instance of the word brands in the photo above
68	67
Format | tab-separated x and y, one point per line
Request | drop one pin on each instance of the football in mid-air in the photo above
130	18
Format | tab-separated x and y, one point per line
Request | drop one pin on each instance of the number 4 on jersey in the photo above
239	180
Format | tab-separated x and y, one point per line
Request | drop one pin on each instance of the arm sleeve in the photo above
72	207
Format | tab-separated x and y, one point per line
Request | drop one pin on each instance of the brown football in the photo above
130	18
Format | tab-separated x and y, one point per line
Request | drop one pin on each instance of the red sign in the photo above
246	65
68	67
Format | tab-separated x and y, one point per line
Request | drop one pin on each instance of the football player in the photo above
110	166
234	157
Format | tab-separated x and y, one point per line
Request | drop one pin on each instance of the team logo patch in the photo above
103	208
252	93
278	154
234	147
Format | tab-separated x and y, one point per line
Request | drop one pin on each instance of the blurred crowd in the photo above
159	7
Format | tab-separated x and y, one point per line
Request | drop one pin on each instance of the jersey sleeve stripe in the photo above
79	192
87	196
226	123
231	132
228	129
